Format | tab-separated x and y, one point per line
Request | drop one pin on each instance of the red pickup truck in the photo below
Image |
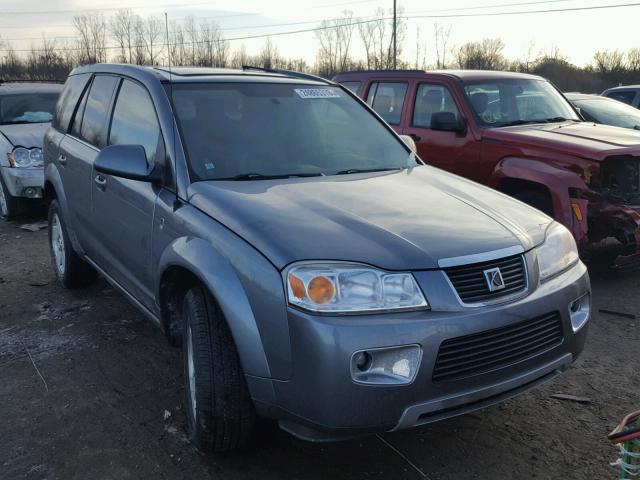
518	134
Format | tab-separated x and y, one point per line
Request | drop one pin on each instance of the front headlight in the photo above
557	253
348	288
25	157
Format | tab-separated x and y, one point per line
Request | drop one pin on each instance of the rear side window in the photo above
134	120
96	110
432	99
68	100
622	96
387	99
353	86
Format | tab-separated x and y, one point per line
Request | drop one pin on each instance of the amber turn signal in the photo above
297	286
320	290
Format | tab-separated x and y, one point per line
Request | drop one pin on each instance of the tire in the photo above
220	413
10	207
71	271
537	200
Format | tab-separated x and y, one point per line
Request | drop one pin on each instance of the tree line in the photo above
126	37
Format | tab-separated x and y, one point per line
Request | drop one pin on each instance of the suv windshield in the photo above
27	108
505	102
246	131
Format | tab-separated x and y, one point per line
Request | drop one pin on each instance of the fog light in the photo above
580	311
386	366
32	192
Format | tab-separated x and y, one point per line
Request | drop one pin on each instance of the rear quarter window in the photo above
387	99
352	86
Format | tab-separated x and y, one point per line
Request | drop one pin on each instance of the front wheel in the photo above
220	414
70	269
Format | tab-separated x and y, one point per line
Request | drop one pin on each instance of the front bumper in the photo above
322	402
19	180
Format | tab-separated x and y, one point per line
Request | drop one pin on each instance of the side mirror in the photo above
410	143
126	161
447	122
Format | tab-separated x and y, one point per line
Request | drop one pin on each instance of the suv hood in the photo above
25	134
588	140
405	220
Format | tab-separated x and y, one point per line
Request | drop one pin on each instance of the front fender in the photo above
217	274
557	180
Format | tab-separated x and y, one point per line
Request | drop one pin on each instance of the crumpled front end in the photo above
613	213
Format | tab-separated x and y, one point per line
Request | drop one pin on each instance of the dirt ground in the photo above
90	390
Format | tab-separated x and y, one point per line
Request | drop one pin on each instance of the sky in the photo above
577	34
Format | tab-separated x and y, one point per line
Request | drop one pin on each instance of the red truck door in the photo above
455	151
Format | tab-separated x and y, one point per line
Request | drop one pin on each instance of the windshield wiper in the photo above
366	170
559	119
260	176
519	122
540	120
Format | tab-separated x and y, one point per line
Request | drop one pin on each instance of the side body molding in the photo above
215	271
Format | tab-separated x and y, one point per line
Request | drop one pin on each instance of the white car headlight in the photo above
25	157
557	253
349	288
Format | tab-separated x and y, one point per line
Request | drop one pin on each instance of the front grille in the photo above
493	349
620	178
472	286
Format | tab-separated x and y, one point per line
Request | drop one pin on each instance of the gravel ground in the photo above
90	390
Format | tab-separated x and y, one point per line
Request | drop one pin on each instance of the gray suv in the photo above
312	268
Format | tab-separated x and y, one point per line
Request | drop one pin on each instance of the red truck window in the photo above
430	99
387	99
353	86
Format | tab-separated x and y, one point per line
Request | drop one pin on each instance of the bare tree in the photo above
633	59
121	27
335	38
609	62
483	55
153	38
367	31
442	35
269	56
91	30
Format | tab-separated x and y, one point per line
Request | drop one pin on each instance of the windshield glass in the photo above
504	102
247	131
610	112
27	108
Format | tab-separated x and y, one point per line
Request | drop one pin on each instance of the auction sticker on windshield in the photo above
317	93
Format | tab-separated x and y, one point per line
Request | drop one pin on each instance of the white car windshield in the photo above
27	108
251	131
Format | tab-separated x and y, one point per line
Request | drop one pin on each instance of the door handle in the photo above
62	159
101	182
414	137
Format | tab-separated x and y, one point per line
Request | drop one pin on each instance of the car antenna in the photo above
176	203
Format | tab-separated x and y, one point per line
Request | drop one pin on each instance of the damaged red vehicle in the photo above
518	134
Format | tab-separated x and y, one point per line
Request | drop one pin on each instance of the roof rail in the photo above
289	73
